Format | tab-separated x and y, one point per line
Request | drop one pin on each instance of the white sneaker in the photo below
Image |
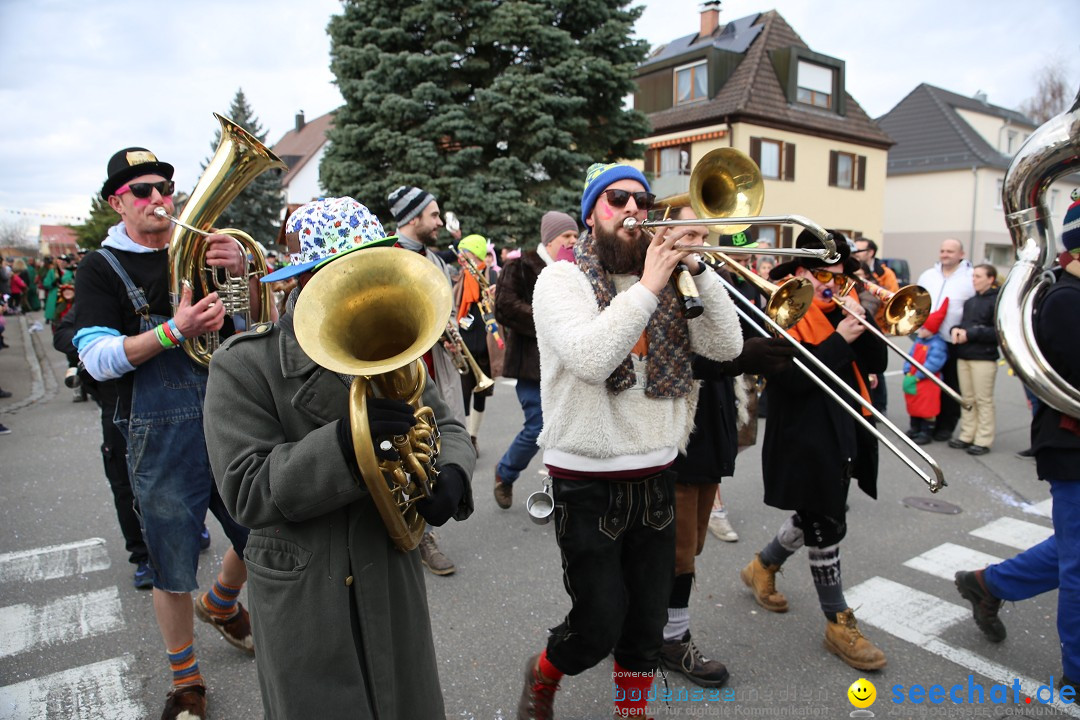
721	528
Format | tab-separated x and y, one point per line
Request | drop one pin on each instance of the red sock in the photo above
548	670
632	695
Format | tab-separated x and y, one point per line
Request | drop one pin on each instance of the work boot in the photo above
538	695
433	558
762	580
504	492
984	605
843	639
683	656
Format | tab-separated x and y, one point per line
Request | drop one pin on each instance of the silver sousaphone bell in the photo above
541	504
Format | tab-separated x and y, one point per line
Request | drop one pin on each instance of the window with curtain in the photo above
691	83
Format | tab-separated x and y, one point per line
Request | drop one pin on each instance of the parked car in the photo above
900	267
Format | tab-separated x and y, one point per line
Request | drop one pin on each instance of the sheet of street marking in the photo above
87	692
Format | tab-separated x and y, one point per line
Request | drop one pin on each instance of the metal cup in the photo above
541	504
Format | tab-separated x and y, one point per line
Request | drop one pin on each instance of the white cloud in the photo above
80	80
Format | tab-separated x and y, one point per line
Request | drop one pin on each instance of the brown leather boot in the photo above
843	639
762	580
538	695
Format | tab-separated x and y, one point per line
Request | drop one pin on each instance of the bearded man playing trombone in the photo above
618	399
813	448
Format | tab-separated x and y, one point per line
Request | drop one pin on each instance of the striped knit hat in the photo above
407	202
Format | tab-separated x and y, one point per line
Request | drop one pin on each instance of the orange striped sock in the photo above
221	600
185	668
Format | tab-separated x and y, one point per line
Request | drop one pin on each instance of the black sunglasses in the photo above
619	198
143	190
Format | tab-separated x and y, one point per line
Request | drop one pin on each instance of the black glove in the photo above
765	356
449	489
386	418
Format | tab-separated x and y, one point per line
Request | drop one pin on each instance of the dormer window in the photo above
815	84
691	83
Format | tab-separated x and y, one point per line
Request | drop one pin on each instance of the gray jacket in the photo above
339	616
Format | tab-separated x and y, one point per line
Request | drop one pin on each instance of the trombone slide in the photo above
935	483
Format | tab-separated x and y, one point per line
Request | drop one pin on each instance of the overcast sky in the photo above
80	80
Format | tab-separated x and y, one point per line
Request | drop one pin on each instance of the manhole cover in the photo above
932	505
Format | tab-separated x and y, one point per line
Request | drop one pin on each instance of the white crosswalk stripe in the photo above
1019	534
921	618
90	692
944	560
67	619
55	561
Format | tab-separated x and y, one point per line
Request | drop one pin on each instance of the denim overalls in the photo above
170	470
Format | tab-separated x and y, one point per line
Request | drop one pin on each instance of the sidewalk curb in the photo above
42	381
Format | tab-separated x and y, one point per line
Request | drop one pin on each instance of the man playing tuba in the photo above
341	617
126	331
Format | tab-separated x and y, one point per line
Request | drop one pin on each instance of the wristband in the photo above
177	335
163	338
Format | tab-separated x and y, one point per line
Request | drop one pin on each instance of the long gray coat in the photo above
339	616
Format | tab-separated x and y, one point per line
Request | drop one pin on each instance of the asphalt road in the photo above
77	641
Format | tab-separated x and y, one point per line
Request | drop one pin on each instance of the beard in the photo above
620	256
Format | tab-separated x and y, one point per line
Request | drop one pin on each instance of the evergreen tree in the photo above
92	232
257	209
495	107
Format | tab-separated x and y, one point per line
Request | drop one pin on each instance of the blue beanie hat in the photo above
597	179
1070	231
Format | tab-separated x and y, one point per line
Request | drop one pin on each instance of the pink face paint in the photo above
141	202
605	211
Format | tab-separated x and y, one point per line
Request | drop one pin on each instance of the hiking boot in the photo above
433	558
185	702
720	526
984	605
144	576
684	657
843	639
537	696
236	630
762	580
504	492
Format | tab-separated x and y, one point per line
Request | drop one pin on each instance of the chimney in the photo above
710	17
299	121
981	97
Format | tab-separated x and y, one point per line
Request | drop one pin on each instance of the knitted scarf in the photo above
668	371
815	328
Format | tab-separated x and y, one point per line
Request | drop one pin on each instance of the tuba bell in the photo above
373	315
238	160
1051	152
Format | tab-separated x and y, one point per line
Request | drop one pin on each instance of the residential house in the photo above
55	240
754	85
302	149
945	176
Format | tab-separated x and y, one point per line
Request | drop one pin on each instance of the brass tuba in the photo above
1051	152
238	160
373	315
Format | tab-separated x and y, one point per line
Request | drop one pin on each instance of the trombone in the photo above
913	298
727	192
935	482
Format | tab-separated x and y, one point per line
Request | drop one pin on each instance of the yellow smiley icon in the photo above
862	693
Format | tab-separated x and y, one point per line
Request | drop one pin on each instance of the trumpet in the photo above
463	359
848	286
935	482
